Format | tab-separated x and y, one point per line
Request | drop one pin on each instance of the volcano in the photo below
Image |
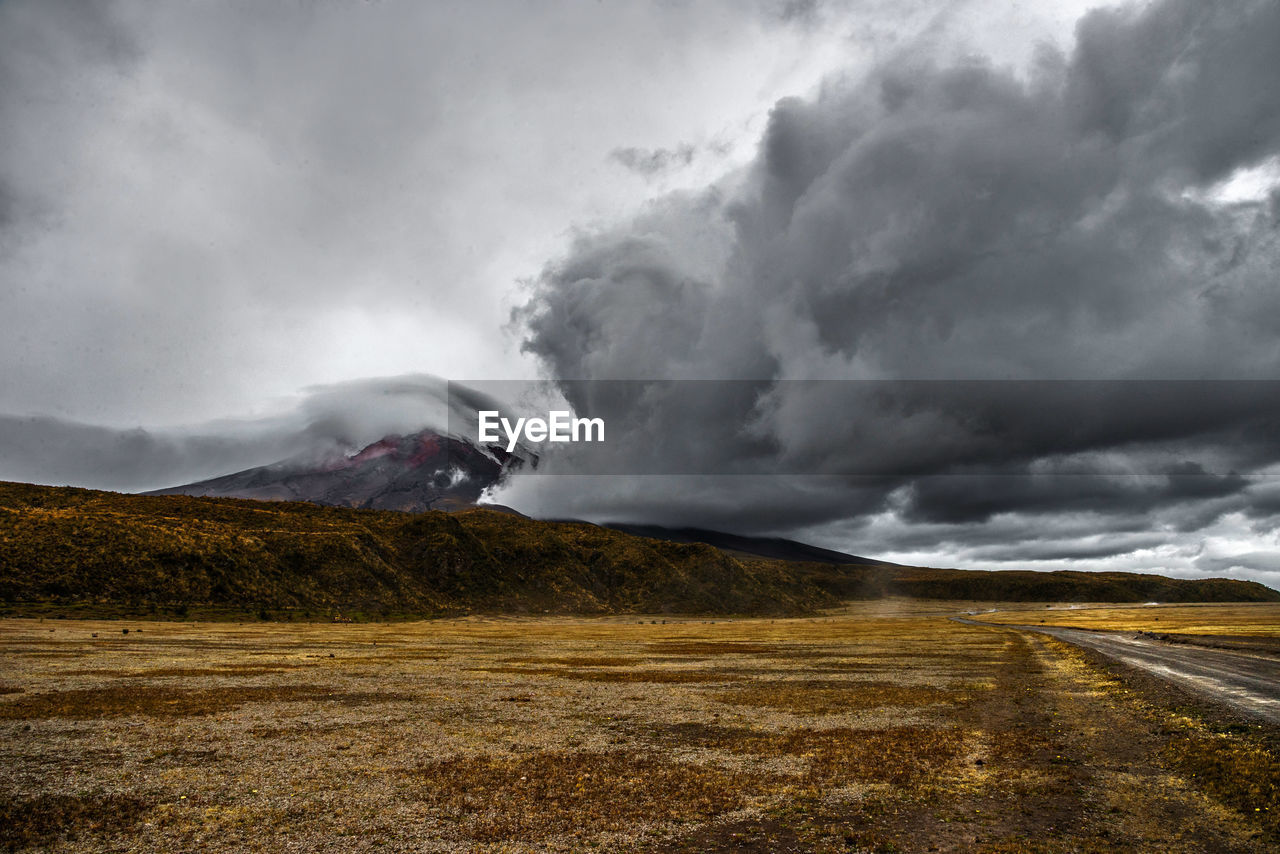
413	473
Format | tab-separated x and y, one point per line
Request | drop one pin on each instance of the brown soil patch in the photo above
45	818
898	755
553	794
656	676
710	648
184	672
824	697
581	660
157	701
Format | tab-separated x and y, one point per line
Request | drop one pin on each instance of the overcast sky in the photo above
229	223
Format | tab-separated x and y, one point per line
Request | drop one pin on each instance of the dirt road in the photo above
1247	682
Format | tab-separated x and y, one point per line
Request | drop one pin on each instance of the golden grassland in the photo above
1252	619
885	727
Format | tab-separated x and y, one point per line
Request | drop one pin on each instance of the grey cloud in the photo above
1008	540
957	221
1262	563
1070	550
745	504
1264	502
202	204
58	452
882	216
1204	110
654	161
976	498
323	420
799	10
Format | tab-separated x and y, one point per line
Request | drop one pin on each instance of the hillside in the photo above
775	548
68	545
83	549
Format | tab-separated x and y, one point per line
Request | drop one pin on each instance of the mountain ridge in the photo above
778	548
78	550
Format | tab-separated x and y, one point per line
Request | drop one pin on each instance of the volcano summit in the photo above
418	472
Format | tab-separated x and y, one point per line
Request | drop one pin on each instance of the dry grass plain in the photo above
1243	619
886	727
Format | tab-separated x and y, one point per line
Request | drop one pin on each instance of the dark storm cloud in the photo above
961	498
1204	110
1265	501
1071	550
956	221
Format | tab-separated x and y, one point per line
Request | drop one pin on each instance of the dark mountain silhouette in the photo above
776	548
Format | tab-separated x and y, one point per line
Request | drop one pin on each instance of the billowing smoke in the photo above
1111	213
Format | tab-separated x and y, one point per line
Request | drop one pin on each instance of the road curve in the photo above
1247	682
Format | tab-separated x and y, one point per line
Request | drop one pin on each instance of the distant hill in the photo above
770	547
1028	586
90	552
